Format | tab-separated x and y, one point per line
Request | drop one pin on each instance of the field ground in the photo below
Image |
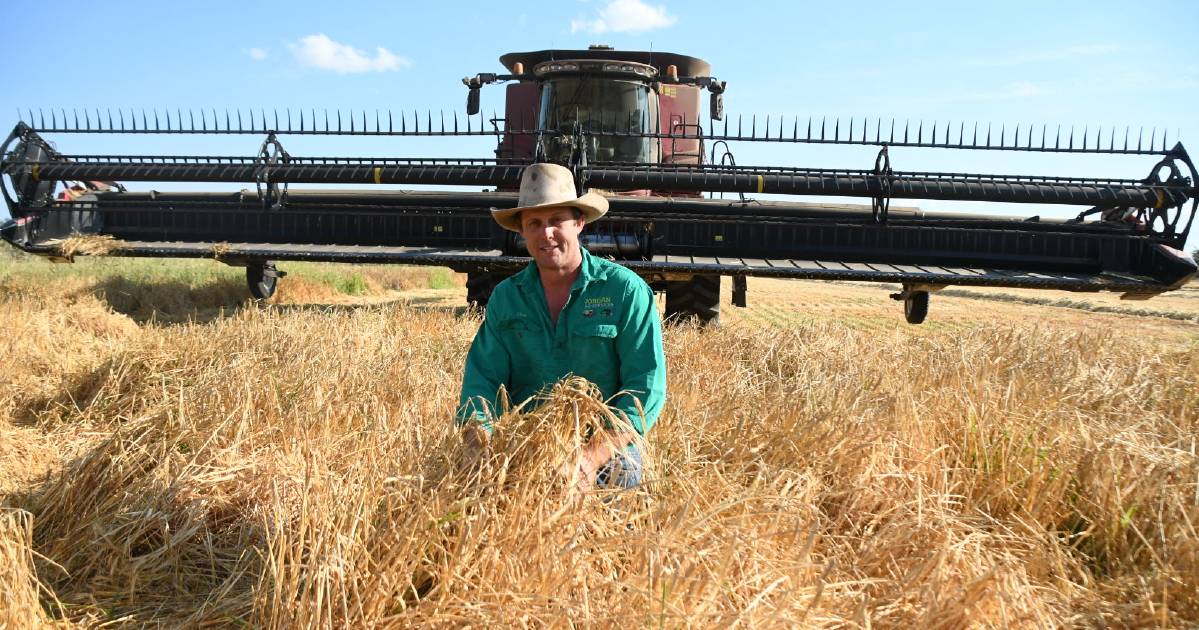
172	454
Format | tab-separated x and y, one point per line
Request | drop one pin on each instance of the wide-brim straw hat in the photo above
547	186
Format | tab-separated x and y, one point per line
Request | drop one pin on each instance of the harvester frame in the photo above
655	158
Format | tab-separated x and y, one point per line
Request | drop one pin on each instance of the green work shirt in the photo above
608	332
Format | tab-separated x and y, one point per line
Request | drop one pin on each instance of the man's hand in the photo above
595	454
476	446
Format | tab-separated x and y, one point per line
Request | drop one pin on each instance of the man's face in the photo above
552	235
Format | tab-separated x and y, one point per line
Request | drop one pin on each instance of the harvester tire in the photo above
915	307
479	285
697	298
262	278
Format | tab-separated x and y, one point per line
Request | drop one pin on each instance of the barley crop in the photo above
296	466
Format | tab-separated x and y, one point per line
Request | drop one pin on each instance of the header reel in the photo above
1126	238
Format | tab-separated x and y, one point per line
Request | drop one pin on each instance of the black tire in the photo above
915	307
262	278
479	285
697	298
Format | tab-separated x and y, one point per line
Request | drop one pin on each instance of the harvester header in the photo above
628	123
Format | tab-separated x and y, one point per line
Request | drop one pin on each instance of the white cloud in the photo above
318	51
258	54
625	16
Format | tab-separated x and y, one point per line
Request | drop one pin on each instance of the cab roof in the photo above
688	66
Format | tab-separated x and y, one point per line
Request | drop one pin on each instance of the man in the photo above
568	312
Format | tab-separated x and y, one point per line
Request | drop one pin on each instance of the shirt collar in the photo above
588	272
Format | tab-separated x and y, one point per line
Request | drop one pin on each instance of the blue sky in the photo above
1086	64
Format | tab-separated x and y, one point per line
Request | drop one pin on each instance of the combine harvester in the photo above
628	124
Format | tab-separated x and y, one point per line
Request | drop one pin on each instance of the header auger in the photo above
628	123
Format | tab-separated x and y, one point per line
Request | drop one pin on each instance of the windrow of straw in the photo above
285	468
88	245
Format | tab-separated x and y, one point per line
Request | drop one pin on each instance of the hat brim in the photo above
593	206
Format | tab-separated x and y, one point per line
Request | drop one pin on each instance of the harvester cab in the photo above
601	106
629	124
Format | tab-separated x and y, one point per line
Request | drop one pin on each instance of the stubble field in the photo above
172	455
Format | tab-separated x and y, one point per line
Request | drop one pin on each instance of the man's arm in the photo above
642	362
488	367
642	376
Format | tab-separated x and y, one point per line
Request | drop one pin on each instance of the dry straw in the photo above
298	468
88	245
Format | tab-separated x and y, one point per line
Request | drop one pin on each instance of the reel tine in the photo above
441	113
390	126
1153	138
1140	138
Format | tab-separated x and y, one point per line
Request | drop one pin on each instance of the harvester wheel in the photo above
915	307
479	285
698	297
262	278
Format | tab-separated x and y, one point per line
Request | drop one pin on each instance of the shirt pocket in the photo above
594	355
602	331
526	348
